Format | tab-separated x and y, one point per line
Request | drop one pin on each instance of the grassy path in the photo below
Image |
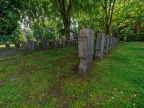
48	78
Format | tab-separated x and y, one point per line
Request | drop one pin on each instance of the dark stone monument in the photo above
100	46
58	43
30	44
68	42
55	43
85	50
106	45
75	35
17	45
44	44
109	46
24	45
36	44
7	45
63	42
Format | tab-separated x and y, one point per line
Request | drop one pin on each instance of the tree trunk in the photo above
67	30
107	29
138	27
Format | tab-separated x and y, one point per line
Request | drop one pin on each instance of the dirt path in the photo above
6	52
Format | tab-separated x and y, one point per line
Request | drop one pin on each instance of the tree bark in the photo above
107	29
65	12
67	30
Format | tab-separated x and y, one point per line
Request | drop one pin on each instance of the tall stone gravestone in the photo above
85	50
30	44
7	45
63	42
55	43
68	42
106	45
100	46
109	46
58	43
17	45
36	44
44	44
24	45
111	42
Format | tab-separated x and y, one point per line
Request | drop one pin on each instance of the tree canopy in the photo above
46	17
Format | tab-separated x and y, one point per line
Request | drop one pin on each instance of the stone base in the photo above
85	67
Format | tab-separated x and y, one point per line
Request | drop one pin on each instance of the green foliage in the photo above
9	15
28	34
3	38
17	35
140	37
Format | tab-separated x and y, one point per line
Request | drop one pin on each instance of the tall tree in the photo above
65	9
108	7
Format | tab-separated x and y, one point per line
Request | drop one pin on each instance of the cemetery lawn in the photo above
49	78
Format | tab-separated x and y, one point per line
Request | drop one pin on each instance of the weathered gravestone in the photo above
68	42
7	45
40	44
100	46
75	35
44	44
109	46
55	43
30	44
17	45
58	43
36	44
63	42
106	44
111	43
74	42
85	50
24	45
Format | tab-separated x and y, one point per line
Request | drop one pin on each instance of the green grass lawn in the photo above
49	79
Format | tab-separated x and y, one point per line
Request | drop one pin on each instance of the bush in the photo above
140	37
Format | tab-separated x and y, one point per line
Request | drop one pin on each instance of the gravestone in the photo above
44	44
85	50
40	44
17	45
55	43
24	45
58	43
106	44
63	42
36	44
30	44
68	42
74	42
75	35
111	43
7	45
100	46
109	46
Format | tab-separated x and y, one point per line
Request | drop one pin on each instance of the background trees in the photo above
9	15
45	18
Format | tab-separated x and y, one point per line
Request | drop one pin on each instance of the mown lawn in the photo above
49	79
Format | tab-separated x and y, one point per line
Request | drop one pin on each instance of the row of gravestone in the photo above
104	44
31	45
7	45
